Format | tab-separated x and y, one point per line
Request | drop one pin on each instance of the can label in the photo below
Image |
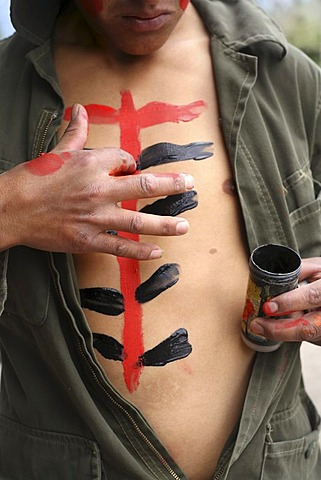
256	296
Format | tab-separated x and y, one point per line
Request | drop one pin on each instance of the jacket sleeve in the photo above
3	278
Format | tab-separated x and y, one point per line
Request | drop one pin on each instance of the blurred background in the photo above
301	21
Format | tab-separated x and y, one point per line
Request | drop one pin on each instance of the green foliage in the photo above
301	22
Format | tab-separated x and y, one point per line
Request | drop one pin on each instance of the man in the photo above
121	346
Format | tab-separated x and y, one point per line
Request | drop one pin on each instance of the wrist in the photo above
8	198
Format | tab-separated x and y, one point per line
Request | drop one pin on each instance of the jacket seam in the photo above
268	204
308	215
236	109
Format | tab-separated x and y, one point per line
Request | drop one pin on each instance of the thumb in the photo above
76	133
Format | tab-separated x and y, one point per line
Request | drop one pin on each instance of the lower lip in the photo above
138	24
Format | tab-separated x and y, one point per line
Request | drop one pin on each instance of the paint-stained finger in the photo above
302	328
149	185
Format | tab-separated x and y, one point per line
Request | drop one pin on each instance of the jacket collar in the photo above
239	24
242	26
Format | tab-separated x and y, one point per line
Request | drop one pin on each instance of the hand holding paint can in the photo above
274	269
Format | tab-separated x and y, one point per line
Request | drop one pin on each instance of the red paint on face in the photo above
47	163
183	4
92	7
131	121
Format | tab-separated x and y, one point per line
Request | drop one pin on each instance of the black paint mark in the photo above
173	204
108	347
165	277
173	348
162	153
107	301
112	232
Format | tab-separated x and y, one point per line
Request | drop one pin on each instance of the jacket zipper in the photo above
112	400
52	117
219	474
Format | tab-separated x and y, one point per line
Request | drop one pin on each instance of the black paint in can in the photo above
274	269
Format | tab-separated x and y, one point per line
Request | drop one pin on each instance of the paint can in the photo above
274	269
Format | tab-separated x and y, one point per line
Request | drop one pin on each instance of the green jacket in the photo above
59	416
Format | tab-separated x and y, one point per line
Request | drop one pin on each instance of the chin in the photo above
137	49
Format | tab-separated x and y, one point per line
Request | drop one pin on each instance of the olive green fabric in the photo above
59	416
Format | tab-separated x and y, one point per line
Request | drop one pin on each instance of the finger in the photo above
76	133
124	247
304	328
311	269
303	298
146	224
147	185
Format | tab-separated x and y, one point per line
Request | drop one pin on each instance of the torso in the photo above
192	403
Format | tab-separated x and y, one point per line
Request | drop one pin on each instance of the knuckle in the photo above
310	332
148	184
313	295
120	248
125	157
179	183
94	192
81	242
136	223
167	227
86	158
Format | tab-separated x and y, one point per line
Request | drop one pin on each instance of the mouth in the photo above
145	22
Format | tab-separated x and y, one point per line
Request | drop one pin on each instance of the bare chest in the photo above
163	329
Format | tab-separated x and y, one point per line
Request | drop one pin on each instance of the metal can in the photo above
274	269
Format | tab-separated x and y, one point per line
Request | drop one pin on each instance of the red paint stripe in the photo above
129	268
155	113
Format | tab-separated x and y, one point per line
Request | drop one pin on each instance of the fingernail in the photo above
74	111
270	307
182	227
256	328
189	181
154	254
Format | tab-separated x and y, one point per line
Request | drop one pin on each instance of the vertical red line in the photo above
129	268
